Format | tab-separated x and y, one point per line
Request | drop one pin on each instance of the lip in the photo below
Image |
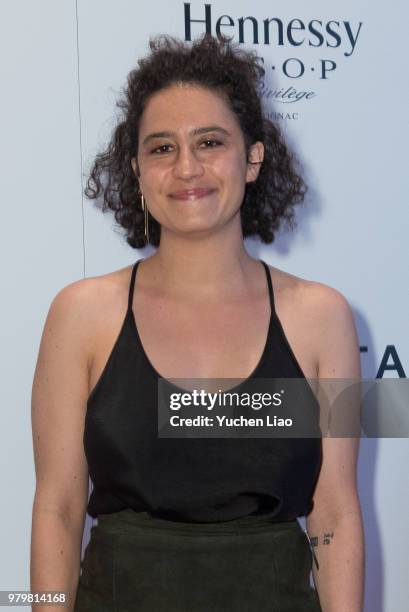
191	194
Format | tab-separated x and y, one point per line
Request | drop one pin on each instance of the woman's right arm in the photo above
59	395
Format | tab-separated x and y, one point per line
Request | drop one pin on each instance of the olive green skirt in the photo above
134	562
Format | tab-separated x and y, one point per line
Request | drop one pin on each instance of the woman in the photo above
192	524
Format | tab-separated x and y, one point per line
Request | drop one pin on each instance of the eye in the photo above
161	149
211	142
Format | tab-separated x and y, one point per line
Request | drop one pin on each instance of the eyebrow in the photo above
195	132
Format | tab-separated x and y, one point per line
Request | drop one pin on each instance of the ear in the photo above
255	159
134	165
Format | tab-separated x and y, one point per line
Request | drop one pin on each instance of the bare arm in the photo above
335	523
59	394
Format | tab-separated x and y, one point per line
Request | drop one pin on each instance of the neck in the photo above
212	266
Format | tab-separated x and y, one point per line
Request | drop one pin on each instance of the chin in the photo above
198	227
199	224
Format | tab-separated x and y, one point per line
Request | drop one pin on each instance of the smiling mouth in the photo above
191	194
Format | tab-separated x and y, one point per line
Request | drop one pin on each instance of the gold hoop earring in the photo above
146	224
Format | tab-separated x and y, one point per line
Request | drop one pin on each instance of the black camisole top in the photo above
190	479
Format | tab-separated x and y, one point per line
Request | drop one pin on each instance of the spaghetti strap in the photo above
132	285
270	285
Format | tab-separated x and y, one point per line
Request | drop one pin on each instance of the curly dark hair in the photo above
236	74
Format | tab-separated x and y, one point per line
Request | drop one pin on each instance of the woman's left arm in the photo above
335	525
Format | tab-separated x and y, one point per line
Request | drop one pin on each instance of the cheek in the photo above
230	168
235	181
151	180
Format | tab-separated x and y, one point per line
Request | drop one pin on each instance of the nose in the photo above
187	165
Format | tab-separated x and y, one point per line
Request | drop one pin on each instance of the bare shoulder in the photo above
320	319
84	291
85	307
321	302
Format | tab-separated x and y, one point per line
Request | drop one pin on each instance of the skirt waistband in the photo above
130	519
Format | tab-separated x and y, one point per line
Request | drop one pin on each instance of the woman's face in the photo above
192	160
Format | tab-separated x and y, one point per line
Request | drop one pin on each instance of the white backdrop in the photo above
62	67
